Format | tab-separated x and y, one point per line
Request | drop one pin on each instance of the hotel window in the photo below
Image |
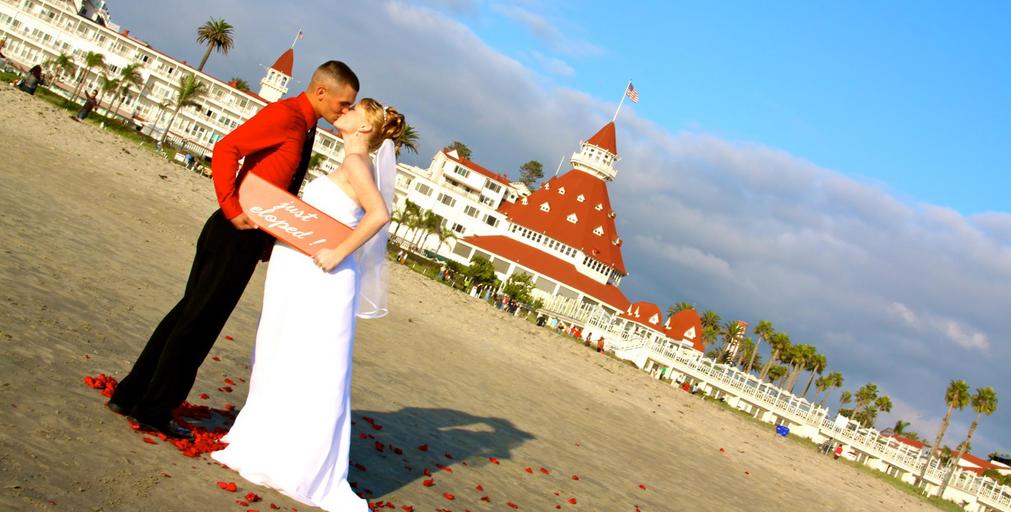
458	228
473	212
572	218
561	191
491	221
462	171
447	200
494	187
580	198
599	231
599	207
545	207
424	189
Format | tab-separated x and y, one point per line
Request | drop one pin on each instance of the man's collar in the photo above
302	100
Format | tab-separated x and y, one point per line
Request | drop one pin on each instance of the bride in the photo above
294	432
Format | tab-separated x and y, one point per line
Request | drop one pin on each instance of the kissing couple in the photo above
300	386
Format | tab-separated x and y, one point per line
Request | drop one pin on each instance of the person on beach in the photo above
276	144
90	101
300	386
32	80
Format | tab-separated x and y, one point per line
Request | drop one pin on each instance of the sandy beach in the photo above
97	237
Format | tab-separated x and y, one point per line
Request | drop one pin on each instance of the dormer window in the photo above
524	200
599	207
654	319
572	218
547	186
561	191
599	231
616	241
545	207
580	198
612	215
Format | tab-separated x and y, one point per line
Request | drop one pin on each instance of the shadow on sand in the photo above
392	449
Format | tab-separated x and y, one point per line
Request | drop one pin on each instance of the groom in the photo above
276	144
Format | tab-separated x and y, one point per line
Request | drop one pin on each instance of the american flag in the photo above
632	93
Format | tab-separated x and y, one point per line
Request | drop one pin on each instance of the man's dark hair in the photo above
339	72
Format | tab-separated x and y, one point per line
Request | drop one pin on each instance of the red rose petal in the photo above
204	396
512	505
444	468
428	483
449	456
229	338
529	470
148	440
493	460
230	382
423	447
407	508
427	472
252	497
572	501
643	487
398	451
215	358
379	446
546	472
479	487
486	498
448	496
575	477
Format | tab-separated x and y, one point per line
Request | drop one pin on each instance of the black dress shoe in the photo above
116	408
170	428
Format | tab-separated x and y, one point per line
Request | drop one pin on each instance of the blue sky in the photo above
838	170
913	95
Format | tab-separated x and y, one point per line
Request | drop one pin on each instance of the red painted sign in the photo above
288	218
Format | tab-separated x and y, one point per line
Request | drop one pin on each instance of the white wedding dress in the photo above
294	432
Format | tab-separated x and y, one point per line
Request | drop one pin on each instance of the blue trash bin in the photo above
782	430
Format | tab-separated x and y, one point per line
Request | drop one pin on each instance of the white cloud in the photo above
554	66
547	32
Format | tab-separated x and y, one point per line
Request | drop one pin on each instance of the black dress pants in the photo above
164	373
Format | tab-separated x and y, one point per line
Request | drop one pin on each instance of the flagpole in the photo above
296	38
560	162
623	94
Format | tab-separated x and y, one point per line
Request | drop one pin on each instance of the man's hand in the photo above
327	259
241	221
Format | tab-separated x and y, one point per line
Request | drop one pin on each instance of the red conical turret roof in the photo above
285	62
605	139
582	198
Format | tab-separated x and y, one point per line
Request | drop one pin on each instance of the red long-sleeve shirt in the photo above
271	141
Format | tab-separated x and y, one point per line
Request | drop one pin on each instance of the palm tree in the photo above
430	222
679	307
779	342
162	107
240	84
106	85
404	216
763	330
315	161
128	76
832	380
984	401
190	89
730	331
815	365
217	34
956	397
776	372
900	427
710	327
92	61
798	357
408	139
62	62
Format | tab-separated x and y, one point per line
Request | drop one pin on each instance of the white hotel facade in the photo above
35	31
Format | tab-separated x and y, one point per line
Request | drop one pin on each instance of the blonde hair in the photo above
386	122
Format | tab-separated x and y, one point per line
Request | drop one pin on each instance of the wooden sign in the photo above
288	218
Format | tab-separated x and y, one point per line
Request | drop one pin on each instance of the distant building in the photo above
38	30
